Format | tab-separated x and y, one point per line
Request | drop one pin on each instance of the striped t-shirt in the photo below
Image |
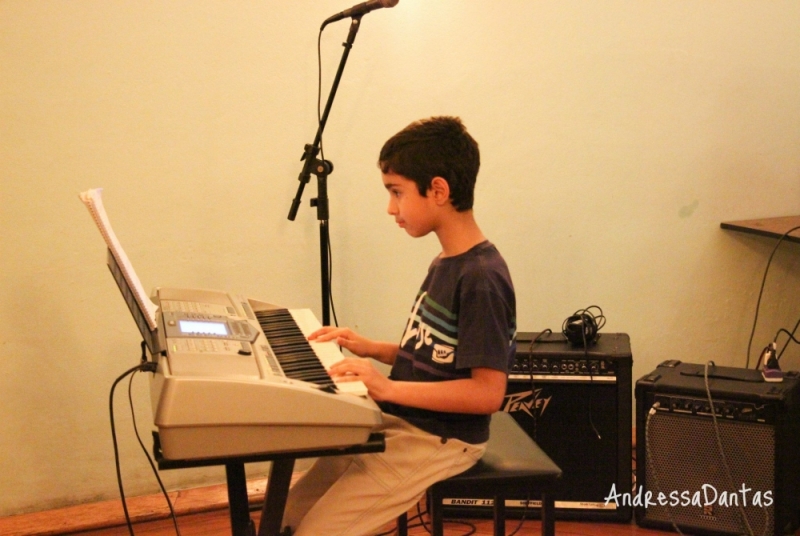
463	317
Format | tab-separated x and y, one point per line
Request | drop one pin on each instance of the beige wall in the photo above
615	137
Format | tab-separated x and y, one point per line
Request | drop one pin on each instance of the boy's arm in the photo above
483	393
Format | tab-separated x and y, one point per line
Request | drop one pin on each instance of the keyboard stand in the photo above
280	477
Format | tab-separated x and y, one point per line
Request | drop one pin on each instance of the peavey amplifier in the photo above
576	404
735	471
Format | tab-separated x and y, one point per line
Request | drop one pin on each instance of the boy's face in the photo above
413	212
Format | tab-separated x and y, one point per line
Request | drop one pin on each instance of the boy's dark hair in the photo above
435	147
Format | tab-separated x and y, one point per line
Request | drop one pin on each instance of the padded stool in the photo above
513	465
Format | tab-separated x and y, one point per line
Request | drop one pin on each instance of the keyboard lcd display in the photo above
195	327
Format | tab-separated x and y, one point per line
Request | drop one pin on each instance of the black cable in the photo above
330	281
149	459
322	157
761	292
319	90
420	516
472	528
790	339
410	522
538	338
522	517
535	413
116	448
787	342
764	352
597	325
591	382
724	458
652	463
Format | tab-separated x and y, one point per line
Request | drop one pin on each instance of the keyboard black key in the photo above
291	348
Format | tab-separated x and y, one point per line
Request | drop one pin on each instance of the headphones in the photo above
582	326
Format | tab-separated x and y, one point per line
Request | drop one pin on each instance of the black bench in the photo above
513	466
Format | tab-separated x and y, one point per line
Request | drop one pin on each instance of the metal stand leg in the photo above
241	525
402	525
548	515
435	513
280	478
499	515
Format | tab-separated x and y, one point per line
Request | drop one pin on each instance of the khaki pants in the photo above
357	495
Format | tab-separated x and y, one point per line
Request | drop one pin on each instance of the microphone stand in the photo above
322	168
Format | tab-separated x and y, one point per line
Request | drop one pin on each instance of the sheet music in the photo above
92	198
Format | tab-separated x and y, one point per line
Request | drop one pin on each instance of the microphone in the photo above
360	9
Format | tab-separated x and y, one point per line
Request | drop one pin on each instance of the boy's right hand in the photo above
346	338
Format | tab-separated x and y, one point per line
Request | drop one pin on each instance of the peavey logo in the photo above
527	401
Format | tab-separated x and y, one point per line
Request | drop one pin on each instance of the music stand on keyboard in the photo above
280	477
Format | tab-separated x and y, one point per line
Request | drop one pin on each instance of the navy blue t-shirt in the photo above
464	317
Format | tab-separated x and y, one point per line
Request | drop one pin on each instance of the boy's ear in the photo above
440	190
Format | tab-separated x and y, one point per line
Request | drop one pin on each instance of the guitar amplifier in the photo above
734	472
576	404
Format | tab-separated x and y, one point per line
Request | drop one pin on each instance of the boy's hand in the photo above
352	369
346	338
385	352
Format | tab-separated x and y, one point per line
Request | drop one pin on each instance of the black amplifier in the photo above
576	404
728	465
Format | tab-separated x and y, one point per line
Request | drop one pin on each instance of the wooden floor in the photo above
217	524
204	512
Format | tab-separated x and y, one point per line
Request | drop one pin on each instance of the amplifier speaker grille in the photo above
673	439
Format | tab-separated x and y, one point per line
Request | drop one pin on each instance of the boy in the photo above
450	368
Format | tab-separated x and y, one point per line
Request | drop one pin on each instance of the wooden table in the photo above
771	227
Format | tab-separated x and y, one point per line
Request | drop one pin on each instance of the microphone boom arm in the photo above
321	168
311	151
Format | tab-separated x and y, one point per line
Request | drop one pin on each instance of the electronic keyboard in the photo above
237	376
